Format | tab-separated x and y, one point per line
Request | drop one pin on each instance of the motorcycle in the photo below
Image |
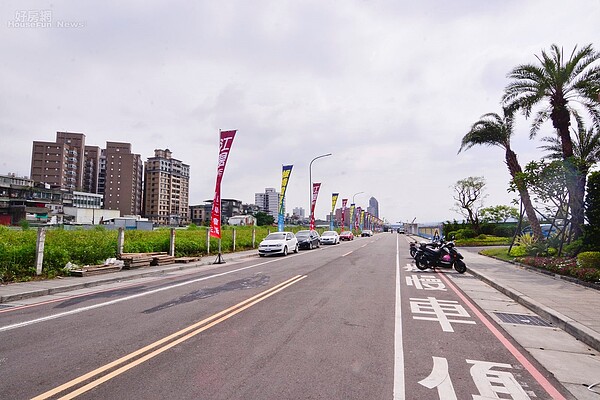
446	256
414	246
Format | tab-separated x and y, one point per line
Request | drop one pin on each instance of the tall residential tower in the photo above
166	189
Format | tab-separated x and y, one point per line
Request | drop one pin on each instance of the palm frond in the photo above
541	117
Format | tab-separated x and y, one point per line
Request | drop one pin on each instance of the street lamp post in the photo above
311	183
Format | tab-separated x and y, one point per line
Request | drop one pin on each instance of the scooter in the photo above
414	246
446	256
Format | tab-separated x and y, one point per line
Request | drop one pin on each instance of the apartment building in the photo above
122	173
60	163
268	201
70	164
166	189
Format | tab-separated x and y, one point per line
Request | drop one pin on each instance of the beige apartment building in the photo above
166	189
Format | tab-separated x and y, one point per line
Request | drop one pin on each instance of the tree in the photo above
495	130
592	212
469	199
558	84
500	213
586	152
262	219
546	181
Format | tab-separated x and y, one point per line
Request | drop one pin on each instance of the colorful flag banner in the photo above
362	219
351	222
286	171
225	142
334	198
344	204
315	194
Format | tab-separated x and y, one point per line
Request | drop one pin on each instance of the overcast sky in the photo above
388	87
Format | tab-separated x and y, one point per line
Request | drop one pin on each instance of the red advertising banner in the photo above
344	204
315	194
225	142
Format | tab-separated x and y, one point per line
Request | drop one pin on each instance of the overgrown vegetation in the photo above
92	247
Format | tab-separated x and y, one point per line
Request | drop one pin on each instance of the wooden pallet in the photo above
162	259
95	270
136	260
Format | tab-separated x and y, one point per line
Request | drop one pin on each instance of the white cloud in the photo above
388	87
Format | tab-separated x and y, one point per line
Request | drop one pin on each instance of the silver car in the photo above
330	237
278	243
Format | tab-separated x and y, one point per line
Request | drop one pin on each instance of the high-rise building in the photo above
373	207
268	202
166	189
122	179
299	212
91	169
70	165
60	163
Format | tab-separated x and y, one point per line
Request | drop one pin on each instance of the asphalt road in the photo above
350	321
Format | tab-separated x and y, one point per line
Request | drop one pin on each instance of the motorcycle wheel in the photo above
413	252
460	266
421	262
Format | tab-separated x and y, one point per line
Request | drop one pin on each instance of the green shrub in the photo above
589	259
465	233
518	251
537	249
504	231
573	248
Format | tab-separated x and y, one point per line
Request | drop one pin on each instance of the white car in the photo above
278	243
330	237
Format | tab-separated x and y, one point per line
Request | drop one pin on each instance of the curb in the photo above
572	327
103	281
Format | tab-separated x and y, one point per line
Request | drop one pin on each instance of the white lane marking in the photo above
108	303
399	389
350	252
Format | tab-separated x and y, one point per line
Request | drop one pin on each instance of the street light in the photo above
355	195
311	183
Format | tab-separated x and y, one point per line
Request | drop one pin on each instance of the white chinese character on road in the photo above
425	282
411	268
490	384
495	384
442	309
440	379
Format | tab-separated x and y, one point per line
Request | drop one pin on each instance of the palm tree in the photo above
586	151
559	83
495	130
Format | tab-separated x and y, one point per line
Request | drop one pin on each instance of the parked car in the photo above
400	230
330	237
278	243
547	230
366	233
347	235
308	239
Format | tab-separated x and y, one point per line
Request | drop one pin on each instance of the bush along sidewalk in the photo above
583	269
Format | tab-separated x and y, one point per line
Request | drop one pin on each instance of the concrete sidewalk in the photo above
25	290
572	307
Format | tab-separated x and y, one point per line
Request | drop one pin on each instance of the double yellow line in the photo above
129	361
